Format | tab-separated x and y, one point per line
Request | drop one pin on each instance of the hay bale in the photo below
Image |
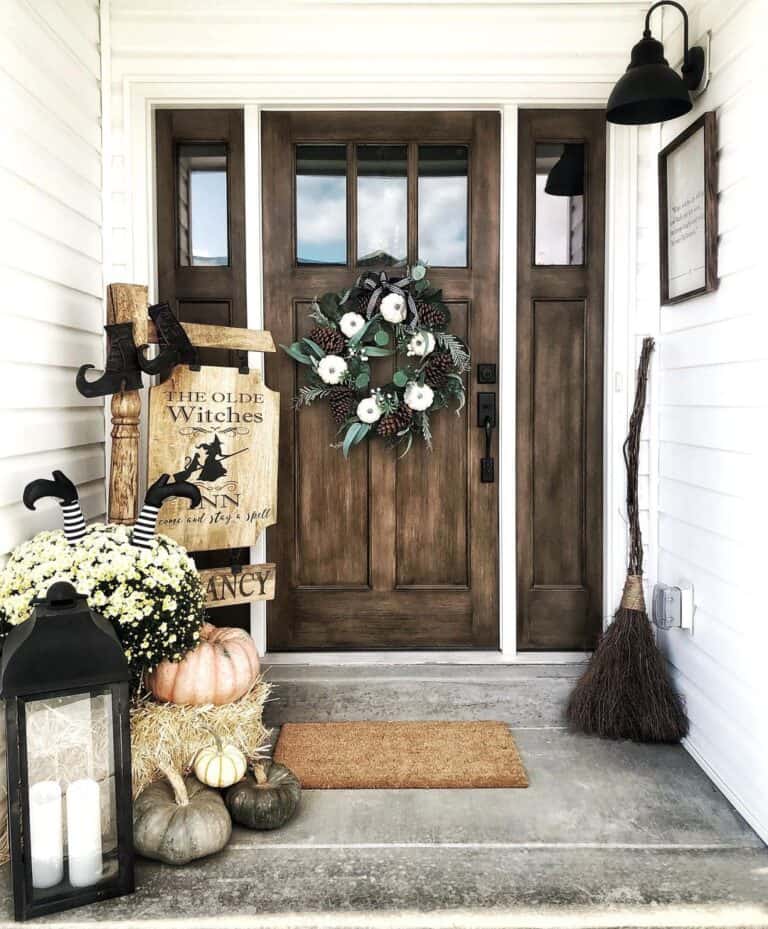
168	736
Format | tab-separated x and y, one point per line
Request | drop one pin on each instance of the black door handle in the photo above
487	469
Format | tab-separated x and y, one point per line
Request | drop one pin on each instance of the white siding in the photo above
708	413
51	261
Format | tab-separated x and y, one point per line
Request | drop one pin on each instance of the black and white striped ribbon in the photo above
74	522
144	530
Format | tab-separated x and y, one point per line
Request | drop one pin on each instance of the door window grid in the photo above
335	188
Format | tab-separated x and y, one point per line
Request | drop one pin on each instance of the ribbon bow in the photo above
384	284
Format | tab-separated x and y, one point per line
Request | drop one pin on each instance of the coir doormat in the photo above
401	755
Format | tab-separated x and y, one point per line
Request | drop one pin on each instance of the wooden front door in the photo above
375	552
560	272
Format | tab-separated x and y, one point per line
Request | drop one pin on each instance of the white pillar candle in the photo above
84	832
46	839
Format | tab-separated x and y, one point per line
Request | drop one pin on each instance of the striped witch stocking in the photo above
146	524
74	521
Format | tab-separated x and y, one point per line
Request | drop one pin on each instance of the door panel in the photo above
376	552
560	377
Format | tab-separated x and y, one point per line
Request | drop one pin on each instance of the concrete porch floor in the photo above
607	834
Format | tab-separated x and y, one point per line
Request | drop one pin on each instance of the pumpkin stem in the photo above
217	737
177	783
260	773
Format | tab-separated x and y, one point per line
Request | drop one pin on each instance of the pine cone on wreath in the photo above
342	403
437	369
330	340
358	304
430	314
394	422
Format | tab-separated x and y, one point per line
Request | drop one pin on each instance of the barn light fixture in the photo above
650	91
566	179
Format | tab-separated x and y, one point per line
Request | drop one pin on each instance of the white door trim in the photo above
142	97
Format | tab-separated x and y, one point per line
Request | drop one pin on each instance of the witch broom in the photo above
625	692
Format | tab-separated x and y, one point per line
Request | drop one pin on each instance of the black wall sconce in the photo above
650	91
566	179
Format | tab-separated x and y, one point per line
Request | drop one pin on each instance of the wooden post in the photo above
126	303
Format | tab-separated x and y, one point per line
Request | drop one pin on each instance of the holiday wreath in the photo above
379	317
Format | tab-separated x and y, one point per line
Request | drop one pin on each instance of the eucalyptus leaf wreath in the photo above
381	316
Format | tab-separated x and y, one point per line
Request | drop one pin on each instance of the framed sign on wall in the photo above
688	212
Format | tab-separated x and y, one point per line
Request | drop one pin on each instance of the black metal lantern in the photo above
64	678
650	91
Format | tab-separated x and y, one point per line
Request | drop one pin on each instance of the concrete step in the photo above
608	835
522	695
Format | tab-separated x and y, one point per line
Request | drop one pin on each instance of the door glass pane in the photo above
72	792
559	203
382	204
443	205
202	206
321	204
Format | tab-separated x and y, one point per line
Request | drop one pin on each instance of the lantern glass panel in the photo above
70	760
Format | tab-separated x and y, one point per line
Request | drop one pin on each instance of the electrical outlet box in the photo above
673	607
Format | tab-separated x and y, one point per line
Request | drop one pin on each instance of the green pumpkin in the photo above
265	800
179	819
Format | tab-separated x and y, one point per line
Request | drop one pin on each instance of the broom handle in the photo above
632	460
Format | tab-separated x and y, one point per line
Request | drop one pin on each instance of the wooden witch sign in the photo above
217	429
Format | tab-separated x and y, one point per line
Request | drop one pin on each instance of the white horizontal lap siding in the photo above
711	371
51	264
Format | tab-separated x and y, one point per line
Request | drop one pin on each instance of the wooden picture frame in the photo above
688	212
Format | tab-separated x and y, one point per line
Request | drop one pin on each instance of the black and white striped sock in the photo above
74	521
144	530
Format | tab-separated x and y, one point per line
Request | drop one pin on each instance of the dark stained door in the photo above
375	552
201	247
560	267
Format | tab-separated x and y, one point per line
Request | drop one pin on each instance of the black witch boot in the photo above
121	372
62	488
157	494
175	347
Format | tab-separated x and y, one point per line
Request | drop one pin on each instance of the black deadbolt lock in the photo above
486	374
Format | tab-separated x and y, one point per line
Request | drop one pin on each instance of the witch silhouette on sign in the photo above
211	469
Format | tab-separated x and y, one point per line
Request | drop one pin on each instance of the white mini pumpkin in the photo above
219	765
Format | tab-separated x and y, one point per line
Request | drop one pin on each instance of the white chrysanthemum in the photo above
368	410
351	323
421	344
139	592
418	397
393	308
332	369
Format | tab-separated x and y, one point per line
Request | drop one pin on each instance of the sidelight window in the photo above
559	238
202	204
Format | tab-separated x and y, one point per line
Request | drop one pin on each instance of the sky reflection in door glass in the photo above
321	204
202	204
443	205
382	204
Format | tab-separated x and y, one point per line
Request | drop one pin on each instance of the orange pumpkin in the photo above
223	667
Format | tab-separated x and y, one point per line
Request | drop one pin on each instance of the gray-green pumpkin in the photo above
265	799
179	819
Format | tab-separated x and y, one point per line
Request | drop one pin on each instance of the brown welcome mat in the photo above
388	755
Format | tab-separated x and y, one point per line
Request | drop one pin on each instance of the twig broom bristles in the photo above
625	692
